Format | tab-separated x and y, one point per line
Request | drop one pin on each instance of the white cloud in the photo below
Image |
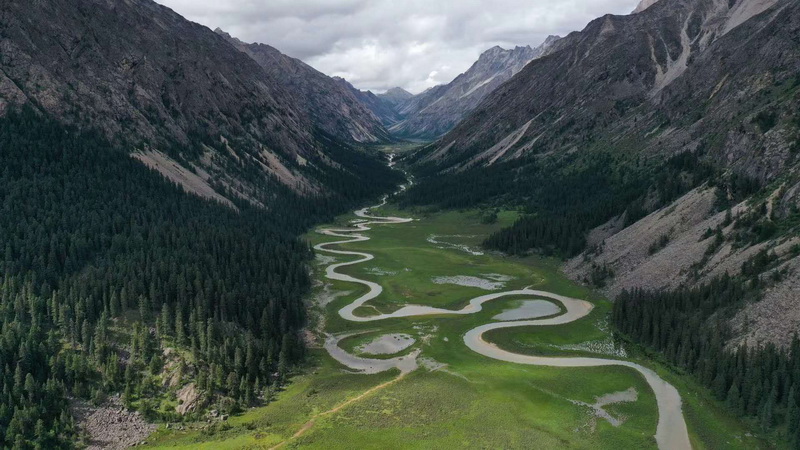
379	44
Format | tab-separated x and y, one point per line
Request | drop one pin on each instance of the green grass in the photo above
473	401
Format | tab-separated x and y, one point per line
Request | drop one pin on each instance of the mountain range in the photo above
334	107
438	109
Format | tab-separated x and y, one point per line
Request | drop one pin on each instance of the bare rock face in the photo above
644	4
188	398
437	110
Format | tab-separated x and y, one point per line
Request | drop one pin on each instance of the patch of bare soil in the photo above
176	173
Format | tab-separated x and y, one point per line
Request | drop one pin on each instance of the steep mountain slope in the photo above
658	149
617	80
332	107
206	116
383	107
644	4
437	110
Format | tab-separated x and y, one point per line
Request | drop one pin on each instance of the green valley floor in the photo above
456	397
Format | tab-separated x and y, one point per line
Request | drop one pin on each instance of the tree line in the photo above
561	200
688	326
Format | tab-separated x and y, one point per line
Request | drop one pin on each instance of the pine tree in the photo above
766	414
232	385
165	321
115	308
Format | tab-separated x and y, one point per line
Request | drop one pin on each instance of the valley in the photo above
458	376
354	224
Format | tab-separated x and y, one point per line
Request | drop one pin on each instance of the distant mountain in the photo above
435	111
179	96
331	106
396	96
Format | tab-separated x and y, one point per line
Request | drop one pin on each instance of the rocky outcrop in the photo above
189	399
644	4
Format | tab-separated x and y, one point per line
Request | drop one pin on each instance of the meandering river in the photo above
671	432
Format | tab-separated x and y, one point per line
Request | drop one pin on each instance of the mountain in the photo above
631	78
657	150
435	111
330	105
179	96
396	96
382	107
644	4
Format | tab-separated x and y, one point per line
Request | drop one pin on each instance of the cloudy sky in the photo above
379	44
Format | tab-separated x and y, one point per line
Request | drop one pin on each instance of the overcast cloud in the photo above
379	44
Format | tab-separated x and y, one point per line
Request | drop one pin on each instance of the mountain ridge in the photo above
332	106
438	109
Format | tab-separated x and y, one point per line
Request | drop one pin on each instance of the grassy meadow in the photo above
461	399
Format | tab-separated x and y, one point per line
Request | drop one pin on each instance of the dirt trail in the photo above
310	424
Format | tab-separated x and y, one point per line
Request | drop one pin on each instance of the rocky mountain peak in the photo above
644	4
399	92
438	109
